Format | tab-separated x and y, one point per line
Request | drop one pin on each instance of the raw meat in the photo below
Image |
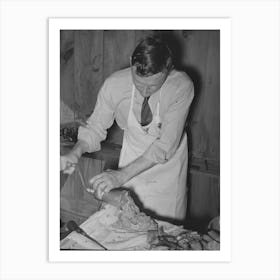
131	218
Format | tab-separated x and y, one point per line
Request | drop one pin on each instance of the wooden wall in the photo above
89	56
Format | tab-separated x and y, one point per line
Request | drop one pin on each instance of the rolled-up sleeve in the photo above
173	124
100	120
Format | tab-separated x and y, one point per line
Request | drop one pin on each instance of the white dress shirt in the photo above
113	102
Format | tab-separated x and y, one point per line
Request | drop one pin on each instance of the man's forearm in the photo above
79	148
111	179
136	167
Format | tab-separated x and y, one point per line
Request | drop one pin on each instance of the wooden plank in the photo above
66	75
118	47
204	165
212	97
204	196
88	70
194	61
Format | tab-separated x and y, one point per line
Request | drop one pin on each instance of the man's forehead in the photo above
149	80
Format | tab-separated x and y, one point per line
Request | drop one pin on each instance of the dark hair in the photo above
151	56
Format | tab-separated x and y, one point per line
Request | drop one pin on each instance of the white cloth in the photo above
161	189
101	227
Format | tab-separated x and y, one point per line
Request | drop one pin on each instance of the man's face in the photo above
148	85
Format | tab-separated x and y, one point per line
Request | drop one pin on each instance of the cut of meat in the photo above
131	218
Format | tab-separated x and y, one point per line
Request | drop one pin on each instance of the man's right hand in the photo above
68	162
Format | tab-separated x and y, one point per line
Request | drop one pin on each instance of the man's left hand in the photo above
106	181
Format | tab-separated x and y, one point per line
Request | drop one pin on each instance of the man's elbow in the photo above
161	156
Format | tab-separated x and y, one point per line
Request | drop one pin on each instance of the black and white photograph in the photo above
139	140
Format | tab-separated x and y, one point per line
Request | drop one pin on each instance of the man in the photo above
150	102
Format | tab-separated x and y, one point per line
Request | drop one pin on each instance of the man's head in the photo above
151	63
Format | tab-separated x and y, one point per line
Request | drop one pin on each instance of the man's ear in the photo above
169	64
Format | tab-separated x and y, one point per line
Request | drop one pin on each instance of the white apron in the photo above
161	189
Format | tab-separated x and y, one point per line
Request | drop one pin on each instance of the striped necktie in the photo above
146	113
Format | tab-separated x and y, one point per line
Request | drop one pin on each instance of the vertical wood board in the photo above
118	47
66	75
88	69
200	59
204	200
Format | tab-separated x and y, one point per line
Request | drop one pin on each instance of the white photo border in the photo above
222	24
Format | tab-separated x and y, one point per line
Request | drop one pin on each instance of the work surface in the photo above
102	226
